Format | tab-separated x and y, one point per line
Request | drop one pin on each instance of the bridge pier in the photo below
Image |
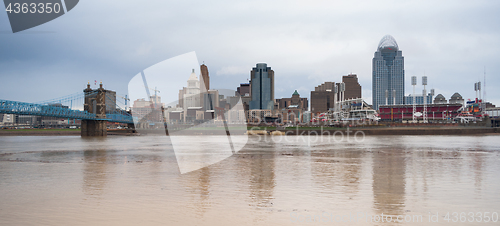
131	128
94	128
95	102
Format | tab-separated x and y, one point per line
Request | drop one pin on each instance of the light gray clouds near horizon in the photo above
305	42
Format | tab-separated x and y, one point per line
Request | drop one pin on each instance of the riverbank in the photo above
399	131
288	131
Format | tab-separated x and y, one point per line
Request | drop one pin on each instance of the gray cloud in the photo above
305	42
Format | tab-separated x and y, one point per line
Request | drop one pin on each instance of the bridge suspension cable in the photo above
69	106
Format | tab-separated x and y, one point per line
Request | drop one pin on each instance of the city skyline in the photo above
353	90
311	44
249	112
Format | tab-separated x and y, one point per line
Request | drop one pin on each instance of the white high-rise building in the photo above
191	93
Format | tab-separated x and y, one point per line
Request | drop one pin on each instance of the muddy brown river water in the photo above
379	180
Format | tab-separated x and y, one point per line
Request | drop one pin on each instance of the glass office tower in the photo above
388	73
262	83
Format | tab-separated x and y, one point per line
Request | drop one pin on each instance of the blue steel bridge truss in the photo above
22	108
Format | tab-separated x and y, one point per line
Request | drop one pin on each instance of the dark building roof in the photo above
456	96
440	96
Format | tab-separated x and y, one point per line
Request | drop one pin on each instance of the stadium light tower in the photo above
475	89
386	96
414	83
424	83
394	97
479	89
432	95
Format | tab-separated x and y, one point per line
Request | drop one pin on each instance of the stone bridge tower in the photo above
95	103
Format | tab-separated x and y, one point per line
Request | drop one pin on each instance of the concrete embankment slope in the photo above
399	131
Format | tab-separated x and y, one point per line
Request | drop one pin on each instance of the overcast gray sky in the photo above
305	42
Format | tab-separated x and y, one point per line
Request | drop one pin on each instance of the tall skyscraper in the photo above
388	73
262	82
204	86
352	86
204	78
323	97
211	99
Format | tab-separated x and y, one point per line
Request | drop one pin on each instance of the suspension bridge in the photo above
94	107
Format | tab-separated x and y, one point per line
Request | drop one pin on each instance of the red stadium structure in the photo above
404	112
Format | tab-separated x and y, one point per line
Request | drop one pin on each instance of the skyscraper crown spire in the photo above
388	42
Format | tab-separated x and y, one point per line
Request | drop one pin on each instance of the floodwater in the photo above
301	180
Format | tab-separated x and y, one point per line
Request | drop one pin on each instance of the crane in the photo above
126	99
155	93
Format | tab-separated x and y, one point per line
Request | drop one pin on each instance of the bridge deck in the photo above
22	108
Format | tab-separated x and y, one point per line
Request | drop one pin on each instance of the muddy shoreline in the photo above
398	131
326	132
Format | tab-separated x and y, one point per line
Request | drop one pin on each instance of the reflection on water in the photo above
94	172
389	181
337	168
261	174
477	165
198	184
272	181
